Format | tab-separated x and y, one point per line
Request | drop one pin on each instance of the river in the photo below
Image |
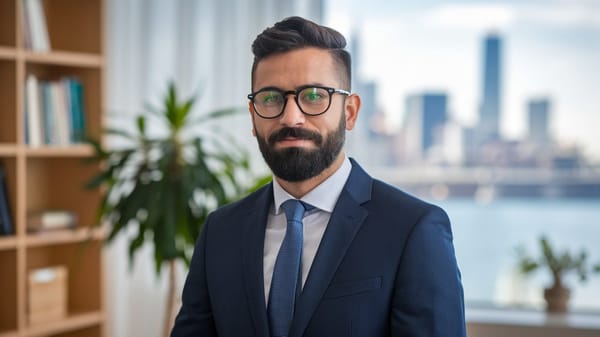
486	236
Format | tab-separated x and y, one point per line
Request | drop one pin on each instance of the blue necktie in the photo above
285	283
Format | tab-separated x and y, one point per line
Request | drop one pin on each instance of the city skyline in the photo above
410	49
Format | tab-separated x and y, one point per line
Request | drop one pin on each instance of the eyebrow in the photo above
316	84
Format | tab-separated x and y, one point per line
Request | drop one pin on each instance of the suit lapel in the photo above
345	221
253	237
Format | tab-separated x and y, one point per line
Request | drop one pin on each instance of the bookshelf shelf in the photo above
63	236
76	150
8	53
8	242
9	334
71	59
8	150
73	322
45	177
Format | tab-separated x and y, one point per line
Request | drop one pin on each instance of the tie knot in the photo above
294	209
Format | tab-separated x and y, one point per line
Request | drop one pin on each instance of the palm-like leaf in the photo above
165	187
559	264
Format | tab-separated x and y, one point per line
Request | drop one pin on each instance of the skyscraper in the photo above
539	113
356	59
426	115
360	140
366	88
490	108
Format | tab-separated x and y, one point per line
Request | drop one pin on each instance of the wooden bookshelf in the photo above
60	237
8	242
7	53
69	325
65	58
49	176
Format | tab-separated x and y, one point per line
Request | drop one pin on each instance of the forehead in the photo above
291	69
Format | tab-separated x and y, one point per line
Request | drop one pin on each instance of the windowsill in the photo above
533	318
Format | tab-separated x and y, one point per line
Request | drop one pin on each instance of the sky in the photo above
551	48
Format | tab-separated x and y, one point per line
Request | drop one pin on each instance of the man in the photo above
356	257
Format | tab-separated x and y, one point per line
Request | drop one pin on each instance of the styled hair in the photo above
294	33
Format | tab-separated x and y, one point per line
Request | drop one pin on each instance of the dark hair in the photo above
295	33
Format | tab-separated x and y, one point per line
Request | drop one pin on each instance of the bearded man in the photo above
324	250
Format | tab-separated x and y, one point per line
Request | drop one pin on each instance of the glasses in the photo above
312	100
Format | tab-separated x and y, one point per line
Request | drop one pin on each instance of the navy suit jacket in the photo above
385	267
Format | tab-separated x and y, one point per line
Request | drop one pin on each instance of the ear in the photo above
352	108
251	110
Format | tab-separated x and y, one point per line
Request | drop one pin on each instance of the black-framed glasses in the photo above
312	100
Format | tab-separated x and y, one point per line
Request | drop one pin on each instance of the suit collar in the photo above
253	237
359	183
346	219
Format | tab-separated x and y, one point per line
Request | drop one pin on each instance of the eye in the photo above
313	95
268	98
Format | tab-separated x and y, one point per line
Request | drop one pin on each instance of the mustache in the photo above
295	133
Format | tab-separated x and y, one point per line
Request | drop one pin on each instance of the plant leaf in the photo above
166	186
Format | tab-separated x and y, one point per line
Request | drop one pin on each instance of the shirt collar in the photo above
324	196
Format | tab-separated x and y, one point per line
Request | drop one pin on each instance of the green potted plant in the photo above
165	186
559	265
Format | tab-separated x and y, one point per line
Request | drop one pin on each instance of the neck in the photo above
298	189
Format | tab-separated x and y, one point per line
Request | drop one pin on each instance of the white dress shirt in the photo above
323	198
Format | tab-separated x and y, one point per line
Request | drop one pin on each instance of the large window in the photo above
491	111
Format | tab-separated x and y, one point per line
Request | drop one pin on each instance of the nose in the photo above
292	115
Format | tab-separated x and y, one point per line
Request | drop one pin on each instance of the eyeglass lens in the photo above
311	101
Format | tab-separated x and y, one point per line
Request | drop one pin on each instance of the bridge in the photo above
490	182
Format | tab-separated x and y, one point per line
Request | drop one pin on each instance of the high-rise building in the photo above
426	115
368	105
538	126
490	108
359	141
356	59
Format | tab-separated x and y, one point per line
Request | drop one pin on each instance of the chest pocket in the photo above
351	288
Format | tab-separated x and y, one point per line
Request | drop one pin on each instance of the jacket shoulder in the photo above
257	199
394	199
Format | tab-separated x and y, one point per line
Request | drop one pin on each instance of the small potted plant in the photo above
559	265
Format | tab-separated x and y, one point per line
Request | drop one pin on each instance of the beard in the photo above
296	164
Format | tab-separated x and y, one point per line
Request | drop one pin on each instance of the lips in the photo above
294	135
294	142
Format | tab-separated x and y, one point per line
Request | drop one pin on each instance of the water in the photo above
486	237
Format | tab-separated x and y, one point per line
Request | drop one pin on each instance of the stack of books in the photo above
54	112
50	220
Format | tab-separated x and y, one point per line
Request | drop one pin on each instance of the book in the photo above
49	113
54	111
48	220
76	109
26	26
37	28
61	113
6	226
35	131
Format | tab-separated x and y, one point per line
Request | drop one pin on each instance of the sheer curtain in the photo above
203	46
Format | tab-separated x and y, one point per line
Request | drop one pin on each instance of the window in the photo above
489	110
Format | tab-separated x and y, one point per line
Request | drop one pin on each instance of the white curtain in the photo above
204	47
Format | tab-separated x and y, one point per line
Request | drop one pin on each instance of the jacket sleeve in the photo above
195	316
428	298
